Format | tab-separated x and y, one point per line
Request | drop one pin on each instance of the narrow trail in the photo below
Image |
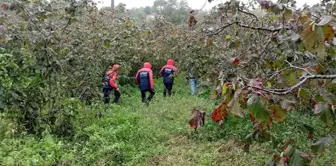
171	140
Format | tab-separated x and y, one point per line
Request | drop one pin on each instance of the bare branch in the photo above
300	68
219	30
333	76
282	91
265	48
297	85
264	29
248	13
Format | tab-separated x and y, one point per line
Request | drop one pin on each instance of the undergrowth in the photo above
130	133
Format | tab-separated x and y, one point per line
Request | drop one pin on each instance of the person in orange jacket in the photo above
144	78
168	72
111	77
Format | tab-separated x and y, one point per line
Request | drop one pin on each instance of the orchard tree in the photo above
173	11
60	49
265	63
280	61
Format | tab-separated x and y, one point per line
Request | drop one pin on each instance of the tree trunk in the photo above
112	4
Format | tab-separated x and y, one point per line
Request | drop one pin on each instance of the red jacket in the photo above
147	67
113	74
170	64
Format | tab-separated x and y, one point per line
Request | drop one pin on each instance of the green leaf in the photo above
268	84
320	44
287	14
258	111
225	89
314	37
277	64
321	145
331	51
107	43
328	32
308	127
248	141
73	19
26	43
300	159
262	136
308	36
284	1
319	98
291	79
328	117
278	113
303	94
249	138
227	37
231	44
15	96
283	31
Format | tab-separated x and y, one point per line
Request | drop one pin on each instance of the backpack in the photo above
106	80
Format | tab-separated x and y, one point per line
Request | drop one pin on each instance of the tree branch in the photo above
282	91
297	85
300	68
276	73
333	76
264	29
219	30
248	13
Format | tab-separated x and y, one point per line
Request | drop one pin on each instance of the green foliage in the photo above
133	134
258	111
21	90
173	11
53	55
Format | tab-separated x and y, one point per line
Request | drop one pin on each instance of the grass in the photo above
131	133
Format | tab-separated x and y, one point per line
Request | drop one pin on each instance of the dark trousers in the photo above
107	91
150	97
167	89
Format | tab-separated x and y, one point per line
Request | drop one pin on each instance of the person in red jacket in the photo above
144	78
168	72
111	77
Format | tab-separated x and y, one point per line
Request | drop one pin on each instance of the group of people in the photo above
144	78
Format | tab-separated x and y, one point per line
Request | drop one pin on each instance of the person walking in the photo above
110	84
168	72
191	77
144	78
